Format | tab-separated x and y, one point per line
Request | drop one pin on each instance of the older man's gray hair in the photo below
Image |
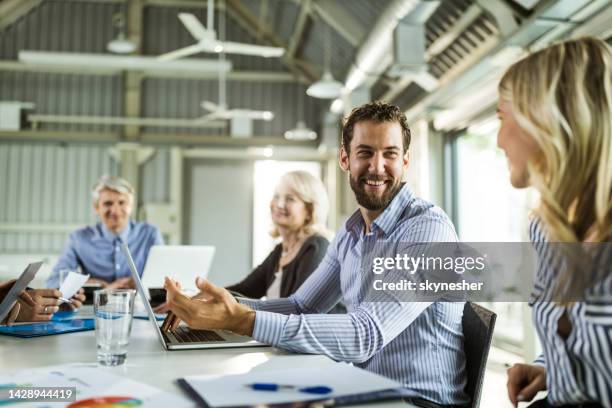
117	184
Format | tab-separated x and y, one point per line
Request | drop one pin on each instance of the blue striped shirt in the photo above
579	368
419	344
96	250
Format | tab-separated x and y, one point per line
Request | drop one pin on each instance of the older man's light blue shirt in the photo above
419	344
97	251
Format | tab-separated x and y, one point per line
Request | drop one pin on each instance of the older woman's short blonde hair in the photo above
311	191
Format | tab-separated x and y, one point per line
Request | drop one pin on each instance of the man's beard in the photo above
370	201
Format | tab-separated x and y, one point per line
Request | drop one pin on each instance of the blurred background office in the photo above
204	136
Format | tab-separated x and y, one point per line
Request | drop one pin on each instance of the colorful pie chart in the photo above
107	402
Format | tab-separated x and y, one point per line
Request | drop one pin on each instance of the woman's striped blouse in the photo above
579	368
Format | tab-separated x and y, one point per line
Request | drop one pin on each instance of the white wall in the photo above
218	211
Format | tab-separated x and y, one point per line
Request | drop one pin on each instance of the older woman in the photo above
299	212
555	108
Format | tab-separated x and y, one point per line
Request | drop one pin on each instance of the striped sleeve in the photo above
540	360
353	337
283	305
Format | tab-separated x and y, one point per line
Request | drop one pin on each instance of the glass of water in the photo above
113	310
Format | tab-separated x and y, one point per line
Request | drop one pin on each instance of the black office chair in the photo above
478	324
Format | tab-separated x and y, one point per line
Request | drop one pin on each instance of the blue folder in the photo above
48	328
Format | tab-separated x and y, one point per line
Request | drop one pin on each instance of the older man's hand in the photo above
122	283
76	302
213	309
103	284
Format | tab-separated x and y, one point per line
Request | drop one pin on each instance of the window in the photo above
489	209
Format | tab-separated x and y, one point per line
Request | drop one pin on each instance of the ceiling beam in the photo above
132	81
225	140
469	77
13	10
336	16
247	76
243	16
92	1
174	139
134	22
298	32
435	48
503	14
177	3
119	120
160	3
448	37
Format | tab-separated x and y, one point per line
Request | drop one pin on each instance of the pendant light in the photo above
326	87
300	131
121	44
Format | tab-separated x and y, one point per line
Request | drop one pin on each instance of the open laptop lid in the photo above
184	262
21	283
141	292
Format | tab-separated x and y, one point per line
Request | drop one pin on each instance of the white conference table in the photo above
149	363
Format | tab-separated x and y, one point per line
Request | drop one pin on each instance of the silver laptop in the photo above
184	262
184	337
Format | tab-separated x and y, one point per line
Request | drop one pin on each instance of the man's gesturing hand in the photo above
213	309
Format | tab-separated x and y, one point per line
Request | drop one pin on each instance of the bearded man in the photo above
419	344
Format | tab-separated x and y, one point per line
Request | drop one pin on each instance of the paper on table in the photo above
344	379
90	381
72	283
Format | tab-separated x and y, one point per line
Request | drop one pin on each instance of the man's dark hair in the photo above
379	112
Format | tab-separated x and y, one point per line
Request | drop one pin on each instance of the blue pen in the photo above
317	389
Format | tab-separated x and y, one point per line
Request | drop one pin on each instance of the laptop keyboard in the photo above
187	335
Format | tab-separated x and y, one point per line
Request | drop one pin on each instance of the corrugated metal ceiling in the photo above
87	27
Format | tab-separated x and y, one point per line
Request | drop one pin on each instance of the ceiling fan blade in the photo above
180	53
211	117
193	25
249	114
210	106
252	49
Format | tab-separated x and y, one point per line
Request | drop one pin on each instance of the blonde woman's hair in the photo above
311	191
562	97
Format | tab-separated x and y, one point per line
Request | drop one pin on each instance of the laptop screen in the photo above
141	291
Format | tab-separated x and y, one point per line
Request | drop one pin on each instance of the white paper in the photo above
91	381
72	283
342	378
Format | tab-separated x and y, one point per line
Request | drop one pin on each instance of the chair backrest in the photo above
478	324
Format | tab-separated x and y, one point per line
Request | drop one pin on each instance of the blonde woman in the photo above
555	108
299	212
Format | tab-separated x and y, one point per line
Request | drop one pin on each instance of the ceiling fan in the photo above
208	42
220	110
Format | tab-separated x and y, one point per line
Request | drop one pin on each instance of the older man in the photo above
95	248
